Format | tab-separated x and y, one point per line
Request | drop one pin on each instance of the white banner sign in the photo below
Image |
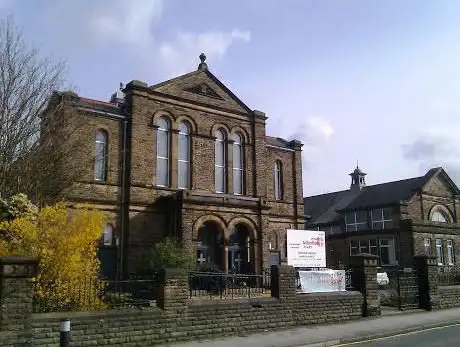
322	281
306	248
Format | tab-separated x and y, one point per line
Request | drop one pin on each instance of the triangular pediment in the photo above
203	88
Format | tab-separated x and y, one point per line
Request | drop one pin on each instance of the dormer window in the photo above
356	220
382	218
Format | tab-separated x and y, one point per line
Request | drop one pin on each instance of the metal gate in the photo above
408	289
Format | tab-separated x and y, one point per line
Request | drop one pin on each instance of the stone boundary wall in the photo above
448	297
176	317
201	321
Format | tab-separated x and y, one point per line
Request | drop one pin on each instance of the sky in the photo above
374	82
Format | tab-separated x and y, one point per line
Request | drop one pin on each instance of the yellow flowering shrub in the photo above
66	243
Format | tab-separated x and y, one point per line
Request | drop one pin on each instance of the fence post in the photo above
173	290
427	270
16	291
364	279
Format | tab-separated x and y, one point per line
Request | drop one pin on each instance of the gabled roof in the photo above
326	208
187	86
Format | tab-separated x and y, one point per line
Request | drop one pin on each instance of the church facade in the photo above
186	158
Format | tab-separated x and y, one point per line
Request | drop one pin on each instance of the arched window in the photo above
440	214
238	162
100	163
273	241
220	162
183	156
108	235
278	180
163	141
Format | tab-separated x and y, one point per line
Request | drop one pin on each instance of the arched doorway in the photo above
210	245
239	250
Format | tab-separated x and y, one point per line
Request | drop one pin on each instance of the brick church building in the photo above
185	158
393	220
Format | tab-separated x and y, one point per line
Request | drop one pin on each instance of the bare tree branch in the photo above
31	160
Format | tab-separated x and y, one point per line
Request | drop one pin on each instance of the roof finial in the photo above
357	163
203	65
121	85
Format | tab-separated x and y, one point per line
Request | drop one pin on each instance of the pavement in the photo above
354	333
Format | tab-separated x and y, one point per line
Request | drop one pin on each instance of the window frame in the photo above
238	145
427	245
450	252
187	137
222	167
104	235
391	247
105	155
355	222
439	252
382	221
278	182
168	152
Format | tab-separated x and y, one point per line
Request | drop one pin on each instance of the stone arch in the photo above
220	126
248	223
242	132
166	114
208	218
190	122
443	210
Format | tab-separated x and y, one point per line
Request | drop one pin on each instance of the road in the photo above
447	336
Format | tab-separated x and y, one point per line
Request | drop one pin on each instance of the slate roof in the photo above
99	105
325	208
276	141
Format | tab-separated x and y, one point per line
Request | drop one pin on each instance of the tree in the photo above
66	242
31	161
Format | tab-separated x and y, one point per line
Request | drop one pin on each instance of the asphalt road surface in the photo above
448	336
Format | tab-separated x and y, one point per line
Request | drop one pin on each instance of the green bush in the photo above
166	254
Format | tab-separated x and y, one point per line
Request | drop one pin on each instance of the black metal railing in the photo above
449	276
349	280
228	286
93	295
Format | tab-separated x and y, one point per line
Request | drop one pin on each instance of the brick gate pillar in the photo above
364	279
16	291
427	270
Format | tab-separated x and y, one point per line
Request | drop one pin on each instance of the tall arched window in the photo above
163	152
183	157
278	180
238	174
220	162
100	163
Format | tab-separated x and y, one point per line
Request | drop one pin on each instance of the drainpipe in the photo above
124	205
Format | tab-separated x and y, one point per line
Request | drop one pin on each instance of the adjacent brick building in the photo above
395	220
185	158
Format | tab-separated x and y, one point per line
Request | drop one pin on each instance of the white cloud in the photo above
129	21
179	55
314	132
